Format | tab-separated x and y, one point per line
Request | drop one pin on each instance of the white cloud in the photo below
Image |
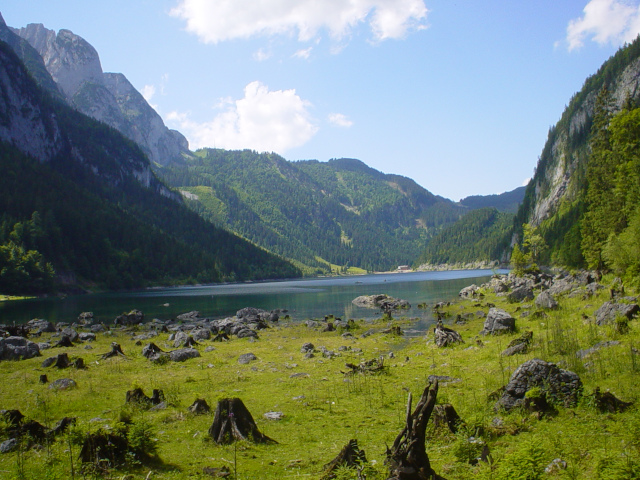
606	21
148	91
303	53
220	20
261	55
263	120
340	120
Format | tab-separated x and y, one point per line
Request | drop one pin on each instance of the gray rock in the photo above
382	301
498	321
307	347
87	336
546	301
560	386
200	334
63	384
9	445
588	351
18	348
179	339
183	354
520	294
469	292
274	415
246	333
518	348
608	312
246	358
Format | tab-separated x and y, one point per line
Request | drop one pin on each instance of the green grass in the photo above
326	409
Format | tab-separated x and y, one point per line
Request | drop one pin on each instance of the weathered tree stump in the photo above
137	396
408	459
62	360
394	330
233	421
374	365
79	364
445	336
446	415
62	426
607	402
221	337
116	350
199	407
43	378
350	456
65	342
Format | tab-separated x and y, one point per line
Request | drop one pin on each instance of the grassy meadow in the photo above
324	408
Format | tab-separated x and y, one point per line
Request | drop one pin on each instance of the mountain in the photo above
555	199
74	65
504	202
339	212
79	196
482	235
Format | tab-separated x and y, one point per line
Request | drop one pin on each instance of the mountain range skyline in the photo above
393	86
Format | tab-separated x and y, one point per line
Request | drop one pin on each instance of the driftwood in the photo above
116	350
408	459
233	422
350	456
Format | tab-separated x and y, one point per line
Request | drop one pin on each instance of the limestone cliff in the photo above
559	175
108	97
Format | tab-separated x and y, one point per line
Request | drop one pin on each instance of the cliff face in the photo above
108	97
24	122
559	176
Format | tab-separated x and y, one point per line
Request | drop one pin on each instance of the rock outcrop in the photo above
108	97
559	386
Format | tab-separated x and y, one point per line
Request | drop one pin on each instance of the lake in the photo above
304	299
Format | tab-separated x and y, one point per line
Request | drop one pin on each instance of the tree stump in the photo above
199	407
445	336
220	337
65	342
116	350
349	456
62	360
446	415
408	459
233	422
607	402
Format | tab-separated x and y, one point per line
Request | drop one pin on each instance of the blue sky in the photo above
458	96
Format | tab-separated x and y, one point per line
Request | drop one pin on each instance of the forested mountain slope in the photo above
78	196
339	212
555	201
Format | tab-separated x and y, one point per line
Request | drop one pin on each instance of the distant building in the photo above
404	268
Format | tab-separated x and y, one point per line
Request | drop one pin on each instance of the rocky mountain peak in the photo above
70	59
108	97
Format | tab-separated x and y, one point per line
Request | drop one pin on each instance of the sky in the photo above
458	96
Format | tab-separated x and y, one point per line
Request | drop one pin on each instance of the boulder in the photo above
87	336
246	358
63	384
382	301
498	321
131	318
608	312
546	301
469	292
520	294
18	348
559	386
183	354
